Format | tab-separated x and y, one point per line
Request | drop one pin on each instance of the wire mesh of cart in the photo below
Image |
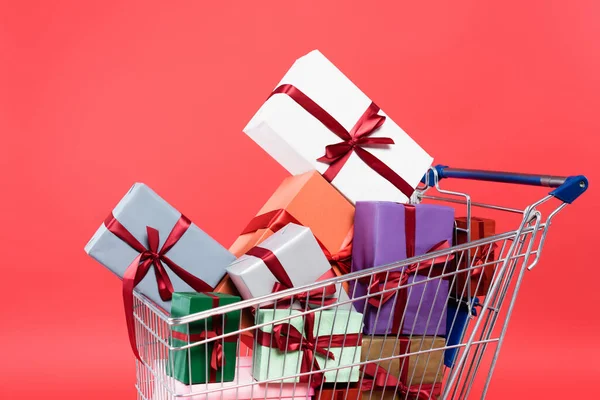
323	364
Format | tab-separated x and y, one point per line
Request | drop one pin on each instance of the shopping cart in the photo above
474	355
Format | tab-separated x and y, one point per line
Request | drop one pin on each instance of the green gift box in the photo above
308	343
200	363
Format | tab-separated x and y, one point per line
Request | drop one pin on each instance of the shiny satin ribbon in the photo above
148	257
316	297
273	220
337	154
277	219
343	258
391	280
379	379
286	337
480	259
396	279
217	359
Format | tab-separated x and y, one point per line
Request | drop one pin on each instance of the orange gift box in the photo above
307	200
481	278
311	201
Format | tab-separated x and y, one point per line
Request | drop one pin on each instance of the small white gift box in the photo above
291	257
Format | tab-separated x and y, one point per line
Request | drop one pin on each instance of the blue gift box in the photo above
195	251
456	325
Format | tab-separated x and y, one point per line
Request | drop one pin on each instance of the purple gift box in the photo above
380	230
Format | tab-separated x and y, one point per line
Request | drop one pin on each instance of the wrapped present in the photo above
479	279
459	315
190	365
317	118
385	233
243	387
337	391
410	374
144	232
307	200
289	258
309	343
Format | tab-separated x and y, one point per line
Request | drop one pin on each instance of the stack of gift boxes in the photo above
344	209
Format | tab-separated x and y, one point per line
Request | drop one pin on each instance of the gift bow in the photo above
217	359
337	154
273	220
277	219
393	280
343	258
315	297
148	257
481	258
321	296
286	337
380	378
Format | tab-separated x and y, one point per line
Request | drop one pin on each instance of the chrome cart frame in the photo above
477	351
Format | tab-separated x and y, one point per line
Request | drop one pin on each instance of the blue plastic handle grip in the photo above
566	189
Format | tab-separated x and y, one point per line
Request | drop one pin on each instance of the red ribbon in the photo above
316	297
399	278
379	379
286	337
337	154
151	256
343	258
273	220
277	219
217	359
384	281
481	258
390	280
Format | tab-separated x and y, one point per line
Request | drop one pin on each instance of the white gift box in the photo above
195	251
300	255
296	139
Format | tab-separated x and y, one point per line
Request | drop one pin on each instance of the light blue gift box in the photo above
196	252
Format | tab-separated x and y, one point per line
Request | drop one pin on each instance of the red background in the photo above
94	97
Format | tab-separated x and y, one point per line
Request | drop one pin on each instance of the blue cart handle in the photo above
566	189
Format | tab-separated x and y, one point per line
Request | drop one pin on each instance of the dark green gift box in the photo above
199	358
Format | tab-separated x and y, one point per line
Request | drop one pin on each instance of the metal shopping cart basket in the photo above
473	355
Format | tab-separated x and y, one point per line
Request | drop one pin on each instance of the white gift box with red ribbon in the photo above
296	139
